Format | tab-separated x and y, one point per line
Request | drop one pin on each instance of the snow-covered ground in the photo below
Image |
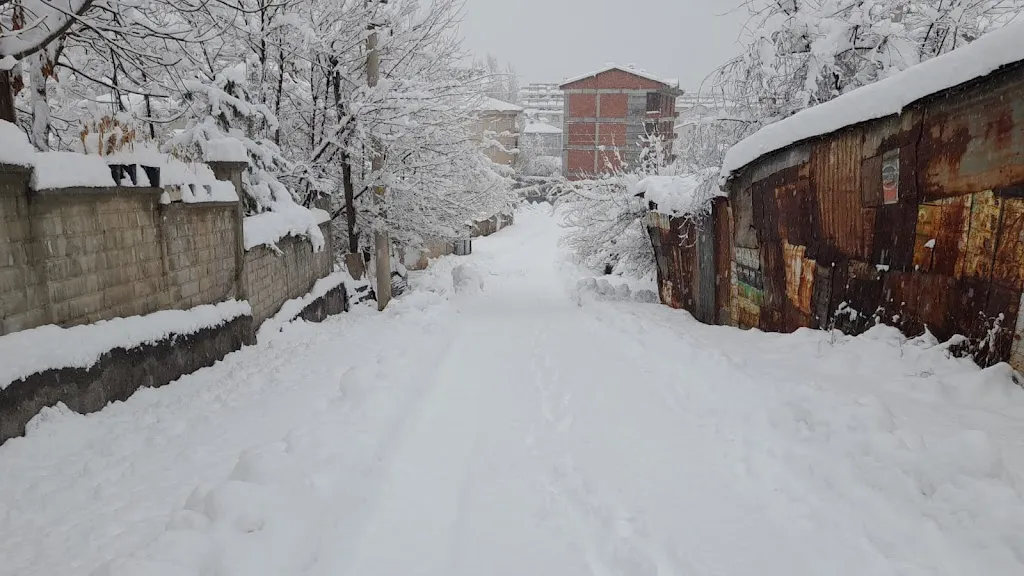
525	428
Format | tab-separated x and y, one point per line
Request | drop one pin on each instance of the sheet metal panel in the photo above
836	179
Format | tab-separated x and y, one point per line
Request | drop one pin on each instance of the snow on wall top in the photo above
674	195
225	150
69	170
285	219
883	98
494	105
14	145
629	70
52	347
541	128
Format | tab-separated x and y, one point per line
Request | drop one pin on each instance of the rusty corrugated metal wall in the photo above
693	262
915	220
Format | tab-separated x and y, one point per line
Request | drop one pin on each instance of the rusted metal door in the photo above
705	272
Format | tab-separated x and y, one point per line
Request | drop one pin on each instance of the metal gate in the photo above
705	272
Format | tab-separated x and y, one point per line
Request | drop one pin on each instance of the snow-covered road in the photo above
526	428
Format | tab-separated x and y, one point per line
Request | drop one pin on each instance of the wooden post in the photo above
381	242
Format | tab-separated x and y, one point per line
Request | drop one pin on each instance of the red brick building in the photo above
606	114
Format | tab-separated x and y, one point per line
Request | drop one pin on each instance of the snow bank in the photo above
14	145
675	195
286	219
466	278
603	289
884	98
52	347
292	308
69	170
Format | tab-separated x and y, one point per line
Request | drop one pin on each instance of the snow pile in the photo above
676	195
52	347
224	150
603	289
258	521
466	278
286	218
14	145
292	308
883	98
69	170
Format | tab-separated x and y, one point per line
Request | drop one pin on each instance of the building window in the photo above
653	102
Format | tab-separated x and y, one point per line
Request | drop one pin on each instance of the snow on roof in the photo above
541	128
14	145
883	98
675	195
630	69
488	104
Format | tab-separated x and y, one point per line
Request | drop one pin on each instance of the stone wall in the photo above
22	287
80	255
118	374
75	256
274	277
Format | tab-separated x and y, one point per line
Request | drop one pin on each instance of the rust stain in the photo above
981	237
1009	259
973	141
941	235
799	276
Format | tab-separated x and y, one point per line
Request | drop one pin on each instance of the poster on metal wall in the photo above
891	177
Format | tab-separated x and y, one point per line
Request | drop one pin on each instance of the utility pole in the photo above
381	242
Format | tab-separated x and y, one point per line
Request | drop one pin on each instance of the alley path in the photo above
528	428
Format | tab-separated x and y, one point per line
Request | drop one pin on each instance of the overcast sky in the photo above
550	40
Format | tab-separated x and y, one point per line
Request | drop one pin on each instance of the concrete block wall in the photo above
21	285
272	278
200	246
76	256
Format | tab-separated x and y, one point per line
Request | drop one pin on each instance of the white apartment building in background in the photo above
543	103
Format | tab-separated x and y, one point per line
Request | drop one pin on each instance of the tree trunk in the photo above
350	202
6	97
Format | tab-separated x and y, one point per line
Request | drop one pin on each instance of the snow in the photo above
292	308
930	243
320	216
673	195
488	104
141	154
14	145
885	97
541	128
52	347
672	82
69	170
225	150
520	430
285	219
